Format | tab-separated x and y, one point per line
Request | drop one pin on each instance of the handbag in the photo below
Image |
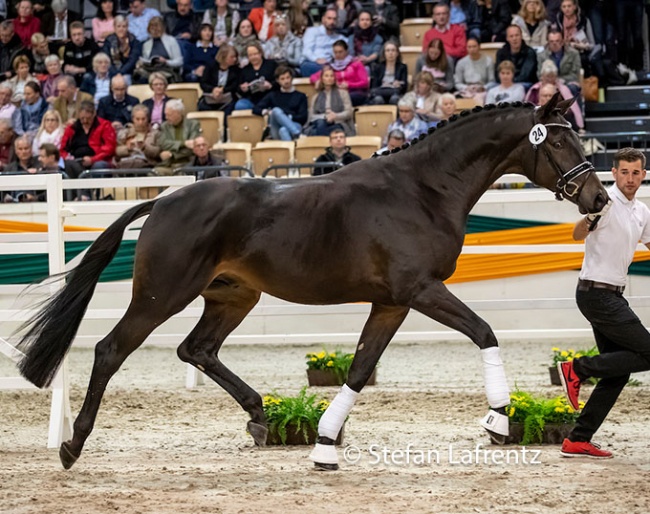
590	88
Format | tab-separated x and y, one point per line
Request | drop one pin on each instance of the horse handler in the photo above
611	237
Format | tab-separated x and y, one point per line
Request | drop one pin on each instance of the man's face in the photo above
5	96
555	42
140	121
513	36
6	35
338	140
201	147
137	8
119	90
23	150
25	9
406	114
285	80
5	134
184	7
394	142
628	177
441	15
47	161
269	5
86	118
77	36
545	94
173	116
329	20
65	91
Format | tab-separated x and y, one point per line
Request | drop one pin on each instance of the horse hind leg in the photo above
226	305
441	305
377	333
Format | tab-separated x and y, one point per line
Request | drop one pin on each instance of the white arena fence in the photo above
294	317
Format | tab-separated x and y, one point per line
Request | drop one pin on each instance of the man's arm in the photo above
581	230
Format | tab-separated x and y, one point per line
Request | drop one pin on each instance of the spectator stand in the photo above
293	170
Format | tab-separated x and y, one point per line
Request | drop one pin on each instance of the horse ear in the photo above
565	105
550	106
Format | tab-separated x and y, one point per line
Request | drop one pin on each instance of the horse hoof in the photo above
259	433
496	438
66	455
319	466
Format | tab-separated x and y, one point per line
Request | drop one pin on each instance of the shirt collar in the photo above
618	194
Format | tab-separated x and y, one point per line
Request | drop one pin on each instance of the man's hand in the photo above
87	162
166	154
592	218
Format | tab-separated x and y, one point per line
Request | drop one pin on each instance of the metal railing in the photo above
206	172
600	147
293	169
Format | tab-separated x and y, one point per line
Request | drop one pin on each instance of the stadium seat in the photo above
364	146
412	31
373	120
465	103
491	49
187	92
303	85
410	56
211	124
236	154
268	153
245	127
141	91
308	149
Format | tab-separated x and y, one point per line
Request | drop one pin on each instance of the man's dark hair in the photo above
629	155
51	150
337	131
281	70
87	106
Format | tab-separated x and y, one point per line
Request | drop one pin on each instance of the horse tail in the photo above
50	332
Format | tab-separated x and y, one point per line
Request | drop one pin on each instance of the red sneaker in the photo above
583	449
570	382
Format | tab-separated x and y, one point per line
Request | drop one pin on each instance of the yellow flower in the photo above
564	353
555	349
559	409
329	364
322	355
511	412
313	359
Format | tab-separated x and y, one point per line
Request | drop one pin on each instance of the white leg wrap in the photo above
331	422
496	387
324	454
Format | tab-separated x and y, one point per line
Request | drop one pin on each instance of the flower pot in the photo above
552	433
295	438
326	377
555	376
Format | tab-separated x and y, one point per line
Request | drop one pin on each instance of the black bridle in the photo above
565	186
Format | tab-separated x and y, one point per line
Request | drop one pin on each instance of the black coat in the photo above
9	52
328	156
210	79
47	22
249	74
525	63
379	70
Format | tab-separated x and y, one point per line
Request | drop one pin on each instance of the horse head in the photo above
559	163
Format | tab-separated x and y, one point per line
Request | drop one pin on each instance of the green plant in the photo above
336	361
303	412
570	354
535	413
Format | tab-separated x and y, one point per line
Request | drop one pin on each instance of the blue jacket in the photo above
112	110
198	56
111	47
33	114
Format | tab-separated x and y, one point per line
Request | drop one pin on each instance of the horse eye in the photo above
557	145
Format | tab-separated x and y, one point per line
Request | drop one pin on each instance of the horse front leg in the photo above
377	333
439	304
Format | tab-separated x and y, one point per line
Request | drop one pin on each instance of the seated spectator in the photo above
157	103
40	51
26	24
78	53
50	131
263	19
395	140
160	53
139	19
317	44
220	82
435	62
299	18
452	36
70	99
410	124
578	34
48	84
507	90
137	143
33	108
10	47
176	138
88	143
8	110
494	16
104	21
385	16
389	76
566	59
350	73
446	106
474	73
424	97
531	19
200	55
338	152
22	77
244	35
287	108
548	76
256	79
24	162
7	138
204	157
184	25
55	24
365	40
520	55
284	47
246	6
460	13
123	48
97	83
117	106
331	107
347	14
49	158
224	19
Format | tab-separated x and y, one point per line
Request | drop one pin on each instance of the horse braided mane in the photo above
455	117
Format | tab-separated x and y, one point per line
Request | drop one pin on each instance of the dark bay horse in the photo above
386	230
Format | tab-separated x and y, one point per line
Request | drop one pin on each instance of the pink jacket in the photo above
533	97
354	74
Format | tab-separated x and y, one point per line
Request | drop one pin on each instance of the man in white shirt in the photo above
624	344
139	19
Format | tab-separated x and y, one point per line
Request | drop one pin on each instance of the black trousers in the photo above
624	346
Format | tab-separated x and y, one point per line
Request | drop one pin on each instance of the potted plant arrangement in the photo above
331	368
293	420
535	420
568	355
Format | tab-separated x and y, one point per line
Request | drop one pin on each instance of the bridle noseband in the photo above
565	182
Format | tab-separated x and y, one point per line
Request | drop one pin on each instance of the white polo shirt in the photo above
609	249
